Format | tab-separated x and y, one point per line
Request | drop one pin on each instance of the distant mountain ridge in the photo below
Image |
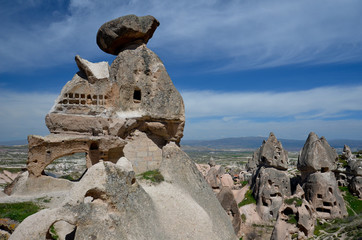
242	143
255	142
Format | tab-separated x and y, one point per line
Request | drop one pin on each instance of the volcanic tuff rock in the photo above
228	202
271	154
317	155
115	35
296	216
127	118
322	192
347	153
134	93
270	188
316	161
270	183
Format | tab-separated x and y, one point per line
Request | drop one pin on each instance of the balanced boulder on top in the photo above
115	35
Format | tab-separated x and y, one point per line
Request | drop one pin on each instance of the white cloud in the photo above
216	129
318	103
215	115
239	34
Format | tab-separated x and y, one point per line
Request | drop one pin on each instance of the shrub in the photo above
153	175
292	219
243	218
53	233
244	183
297	201
18	211
248	199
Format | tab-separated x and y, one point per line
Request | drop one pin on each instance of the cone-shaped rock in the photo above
317	155
115	35
271	154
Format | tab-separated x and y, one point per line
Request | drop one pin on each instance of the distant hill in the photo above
14	142
248	143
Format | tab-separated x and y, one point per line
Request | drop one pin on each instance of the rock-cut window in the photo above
137	96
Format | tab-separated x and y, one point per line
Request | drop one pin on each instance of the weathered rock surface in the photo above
44	150
347	153
116	203
355	167
322	192
177	168
296	217
270	154
355	186
115	35
129	113
271	186
228	202
226	180
94	71
317	155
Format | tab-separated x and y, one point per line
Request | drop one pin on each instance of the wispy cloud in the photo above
219	128
212	114
318	103
238	34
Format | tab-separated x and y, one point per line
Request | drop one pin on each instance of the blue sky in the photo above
244	68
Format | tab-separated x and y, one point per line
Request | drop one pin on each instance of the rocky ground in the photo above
14	159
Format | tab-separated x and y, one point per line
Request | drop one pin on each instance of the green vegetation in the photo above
295	236
53	233
10	169
153	175
248	199
244	183
342	161
319	226
354	205
292	219
295	200
18	211
243	218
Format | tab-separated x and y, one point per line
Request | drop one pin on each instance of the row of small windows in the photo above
83	99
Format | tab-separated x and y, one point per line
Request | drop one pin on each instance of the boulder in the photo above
355	167
213	177
271	186
226	180
355	186
317	155
122	32
227	201
212	162
93	71
322	192
347	153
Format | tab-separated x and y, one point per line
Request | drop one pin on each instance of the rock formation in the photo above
316	162
296	218
317	155
128	118
347	153
110	102
270	182
354	169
